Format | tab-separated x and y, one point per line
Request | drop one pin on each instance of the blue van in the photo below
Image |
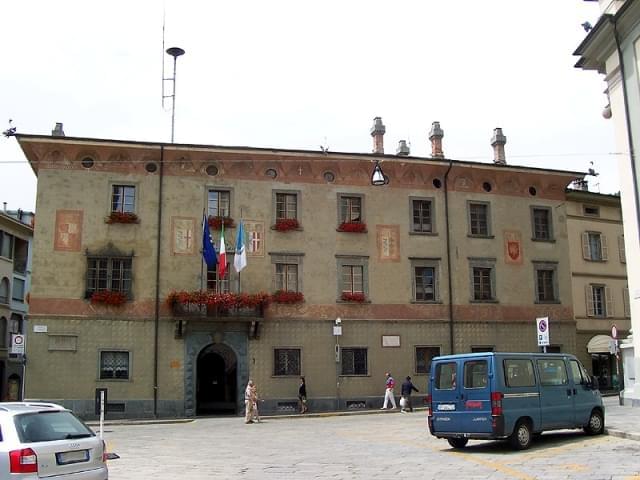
510	396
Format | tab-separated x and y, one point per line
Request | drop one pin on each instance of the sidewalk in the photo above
620	420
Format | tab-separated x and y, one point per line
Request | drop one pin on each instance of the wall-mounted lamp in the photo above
378	178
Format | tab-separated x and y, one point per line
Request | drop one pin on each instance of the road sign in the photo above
614	332
17	343
542	324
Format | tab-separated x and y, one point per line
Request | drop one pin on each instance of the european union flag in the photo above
208	250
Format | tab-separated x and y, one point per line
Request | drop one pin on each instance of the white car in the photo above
45	440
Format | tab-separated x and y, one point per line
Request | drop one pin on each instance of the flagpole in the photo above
236	253
204	219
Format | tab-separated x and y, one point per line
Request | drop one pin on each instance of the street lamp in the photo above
175	52
378	178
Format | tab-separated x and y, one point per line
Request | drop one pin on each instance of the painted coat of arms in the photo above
512	247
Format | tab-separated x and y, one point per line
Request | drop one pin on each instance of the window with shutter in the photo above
626	303
609	310
589	300
586	252
604	249
621	250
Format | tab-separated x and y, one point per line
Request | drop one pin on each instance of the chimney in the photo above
377	132
57	131
435	135
403	148
497	142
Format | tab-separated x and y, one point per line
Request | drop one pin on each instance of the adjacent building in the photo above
445	256
612	48
16	236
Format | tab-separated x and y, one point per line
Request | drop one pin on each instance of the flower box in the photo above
286	224
216	301
284	296
122	217
353	227
216	222
108	297
357	297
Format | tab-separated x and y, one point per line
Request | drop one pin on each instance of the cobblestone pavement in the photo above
382	446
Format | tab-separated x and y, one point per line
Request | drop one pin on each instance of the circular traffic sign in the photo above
542	326
18	340
614	332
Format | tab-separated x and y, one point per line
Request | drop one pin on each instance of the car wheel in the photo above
458	442
596	424
520	439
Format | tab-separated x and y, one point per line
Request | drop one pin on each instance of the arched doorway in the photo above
216	380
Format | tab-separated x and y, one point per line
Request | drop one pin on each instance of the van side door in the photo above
475	396
584	397
556	395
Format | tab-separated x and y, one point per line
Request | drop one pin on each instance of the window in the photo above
286	277
18	292
286	205
3	332
422	216
219	203
621	250
546	282
519	373
352	275
123	198
424	355
576	373
479	219
599	301
286	361
114	365
354	361
475	374
109	273
350	208
594	246
16	323
591	210
445	376
542	227
6	245
625	302
425	279
215	283
482	280
552	371
4	290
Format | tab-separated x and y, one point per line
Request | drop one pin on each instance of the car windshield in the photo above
49	426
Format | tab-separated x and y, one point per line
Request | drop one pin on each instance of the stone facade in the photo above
156	360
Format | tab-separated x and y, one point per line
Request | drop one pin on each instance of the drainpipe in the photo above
627	120
446	219
157	305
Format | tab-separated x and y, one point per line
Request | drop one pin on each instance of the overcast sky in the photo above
298	74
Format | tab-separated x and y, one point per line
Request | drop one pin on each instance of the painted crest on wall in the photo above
182	235
512	247
68	233
388	241
255	238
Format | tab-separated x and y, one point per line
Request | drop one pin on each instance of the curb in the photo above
621	434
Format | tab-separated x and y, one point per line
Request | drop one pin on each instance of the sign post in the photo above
614	335
542	326
100	404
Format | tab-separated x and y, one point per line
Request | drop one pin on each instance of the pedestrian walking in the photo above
249	402
389	385
302	396
256	399
405	390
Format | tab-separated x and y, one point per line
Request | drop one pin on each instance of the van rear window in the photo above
518	373
552	372
475	374
445	378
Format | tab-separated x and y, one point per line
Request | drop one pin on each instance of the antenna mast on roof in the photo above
175	52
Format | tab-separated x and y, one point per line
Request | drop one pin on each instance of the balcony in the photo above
198	310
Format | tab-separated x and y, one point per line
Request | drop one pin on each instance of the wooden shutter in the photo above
625	301
609	302
586	251
588	295
604	247
621	250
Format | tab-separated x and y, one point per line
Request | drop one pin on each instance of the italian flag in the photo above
222	256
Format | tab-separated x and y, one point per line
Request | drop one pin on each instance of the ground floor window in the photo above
286	361
354	361
114	365
424	355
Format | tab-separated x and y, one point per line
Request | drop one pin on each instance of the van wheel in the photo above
520	439
595	425
458	442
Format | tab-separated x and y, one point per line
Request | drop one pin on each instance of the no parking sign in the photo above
543	331
17	343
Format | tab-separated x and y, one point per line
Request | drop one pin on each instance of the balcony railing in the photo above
198	310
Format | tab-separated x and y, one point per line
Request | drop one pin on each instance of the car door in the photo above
583	396
556	397
474	406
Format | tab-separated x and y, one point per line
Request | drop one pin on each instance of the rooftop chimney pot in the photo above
377	132
403	149
57	130
435	135
498	142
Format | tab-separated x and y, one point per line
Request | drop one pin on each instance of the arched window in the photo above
3	332
4	290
